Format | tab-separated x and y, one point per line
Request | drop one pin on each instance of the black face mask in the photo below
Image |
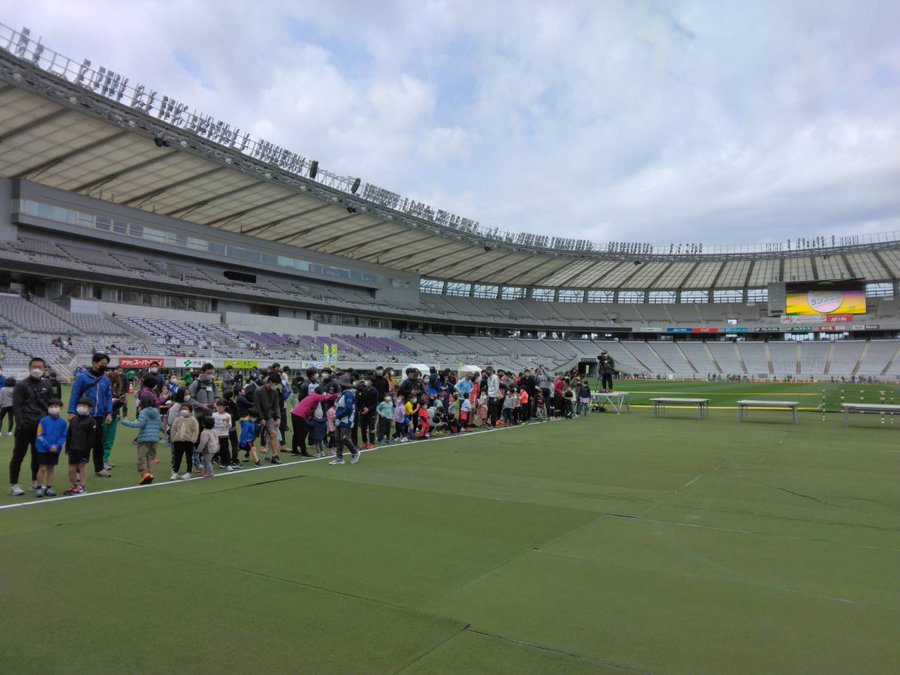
100	369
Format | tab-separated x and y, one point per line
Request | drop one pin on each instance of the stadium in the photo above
136	226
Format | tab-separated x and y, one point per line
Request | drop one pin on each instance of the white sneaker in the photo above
354	458
15	490
336	461
174	476
186	476
229	468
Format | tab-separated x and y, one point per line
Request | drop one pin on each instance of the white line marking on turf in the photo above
129	488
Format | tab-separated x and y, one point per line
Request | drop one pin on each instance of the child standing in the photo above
185	431
249	432
465	413
540	409
208	446
6	404
584	399
51	438
400	419
317	430
148	424
524	403
330	426
79	441
222	427
483	408
385	412
509	407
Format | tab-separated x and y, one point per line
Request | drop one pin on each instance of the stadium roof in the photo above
66	126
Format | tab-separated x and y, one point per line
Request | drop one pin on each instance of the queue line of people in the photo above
208	427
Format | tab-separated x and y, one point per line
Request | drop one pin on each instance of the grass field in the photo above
603	544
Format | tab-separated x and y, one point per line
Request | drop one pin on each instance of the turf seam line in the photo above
129	488
261	575
560	652
434	648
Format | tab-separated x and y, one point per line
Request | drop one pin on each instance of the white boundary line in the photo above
129	488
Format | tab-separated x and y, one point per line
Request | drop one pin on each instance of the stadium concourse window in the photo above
882	290
129	228
631	297
661	297
431	286
512	293
732	295
488	292
600	296
569	295
458	289
542	294
758	295
694	297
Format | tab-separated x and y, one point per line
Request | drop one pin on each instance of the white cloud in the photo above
685	121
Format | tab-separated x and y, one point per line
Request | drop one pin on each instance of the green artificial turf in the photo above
603	544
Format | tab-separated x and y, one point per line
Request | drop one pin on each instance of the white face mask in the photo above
53	410
82	410
154	371
187	398
173	381
36	373
185	413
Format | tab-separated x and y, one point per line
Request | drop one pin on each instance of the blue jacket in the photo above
317	429
100	393
249	431
51	431
346	409
149	423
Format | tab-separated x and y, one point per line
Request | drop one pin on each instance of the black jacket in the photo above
380	382
266	403
30	398
81	433
367	400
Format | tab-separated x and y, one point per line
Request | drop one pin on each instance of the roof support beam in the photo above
140	199
297	235
31	124
370	255
227	219
369	234
124	172
185	210
273	223
33	171
427	252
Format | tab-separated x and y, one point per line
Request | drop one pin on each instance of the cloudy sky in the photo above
721	122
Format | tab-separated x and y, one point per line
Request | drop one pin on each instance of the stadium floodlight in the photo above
313	168
160	141
355	186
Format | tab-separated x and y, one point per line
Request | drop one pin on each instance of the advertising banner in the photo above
242	364
135	362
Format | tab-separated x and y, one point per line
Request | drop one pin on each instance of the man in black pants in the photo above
30	398
298	424
93	384
365	406
607	367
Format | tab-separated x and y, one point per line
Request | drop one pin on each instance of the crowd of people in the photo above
213	422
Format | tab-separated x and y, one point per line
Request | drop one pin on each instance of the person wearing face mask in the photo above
94	385
185	432
204	391
50	442
30	399
79	441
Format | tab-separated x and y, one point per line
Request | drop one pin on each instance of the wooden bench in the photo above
870	407
744	406
660	404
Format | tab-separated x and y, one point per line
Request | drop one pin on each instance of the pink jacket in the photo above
307	406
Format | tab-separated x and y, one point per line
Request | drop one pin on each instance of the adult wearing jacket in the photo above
29	402
366	402
268	403
494	400
344	415
204	390
93	384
